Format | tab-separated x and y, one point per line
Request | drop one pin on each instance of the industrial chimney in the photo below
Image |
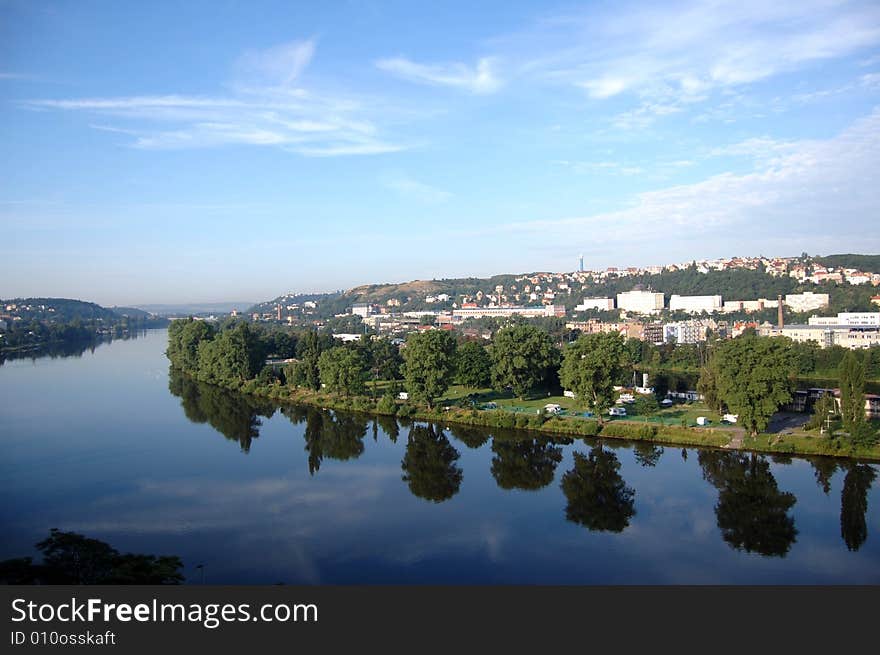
779	312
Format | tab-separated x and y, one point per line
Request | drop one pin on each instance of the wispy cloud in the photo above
799	192
281	65
670	56
479	79
409	188
267	107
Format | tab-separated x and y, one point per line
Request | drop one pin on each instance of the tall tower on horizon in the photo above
581	264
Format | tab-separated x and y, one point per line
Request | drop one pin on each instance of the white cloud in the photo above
479	79
681	52
281	65
410	188
264	109
800	194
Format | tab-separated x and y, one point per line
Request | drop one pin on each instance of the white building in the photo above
603	304
509	310
847	318
362	309
848	336
807	301
642	302
695	304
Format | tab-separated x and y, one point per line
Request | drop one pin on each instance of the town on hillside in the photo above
649	303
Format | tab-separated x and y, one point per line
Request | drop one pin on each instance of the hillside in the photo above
61	310
860	262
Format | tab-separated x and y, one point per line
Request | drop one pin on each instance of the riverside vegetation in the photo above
446	380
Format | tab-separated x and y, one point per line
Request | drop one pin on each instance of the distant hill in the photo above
59	309
176	309
410	294
65	310
870	263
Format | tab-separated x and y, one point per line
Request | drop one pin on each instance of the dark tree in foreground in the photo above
71	558
854	505
429	464
524	464
598	497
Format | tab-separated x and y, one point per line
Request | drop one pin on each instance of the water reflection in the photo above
429	464
330	434
234	415
524	463
66	349
648	454
752	512
598	498
854	505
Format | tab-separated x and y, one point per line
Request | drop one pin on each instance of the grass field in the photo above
685	411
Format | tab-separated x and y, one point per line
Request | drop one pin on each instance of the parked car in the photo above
617	411
730	418
552	408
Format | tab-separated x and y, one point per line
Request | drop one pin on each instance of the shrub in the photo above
387	405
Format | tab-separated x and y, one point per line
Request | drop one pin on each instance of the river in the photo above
106	444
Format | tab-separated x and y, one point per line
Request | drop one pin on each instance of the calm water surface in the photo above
108	445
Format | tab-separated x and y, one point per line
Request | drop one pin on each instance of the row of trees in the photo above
750	376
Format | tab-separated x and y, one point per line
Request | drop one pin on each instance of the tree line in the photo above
749	376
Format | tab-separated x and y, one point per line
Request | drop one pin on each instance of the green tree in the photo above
708	386
753	378
852	391
184	337
473	365
342	370
304	372
429	363
522	356
591	367
646	405
597	495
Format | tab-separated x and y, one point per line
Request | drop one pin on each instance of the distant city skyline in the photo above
212	151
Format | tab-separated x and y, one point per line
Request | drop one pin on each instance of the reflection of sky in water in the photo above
98	445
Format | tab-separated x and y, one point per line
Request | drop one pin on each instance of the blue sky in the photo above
182	152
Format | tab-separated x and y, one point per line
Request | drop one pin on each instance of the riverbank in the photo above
730	438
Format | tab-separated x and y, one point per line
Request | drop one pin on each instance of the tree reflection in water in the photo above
854	505
330	434
751	511
429	464
234	415
597	495
524	463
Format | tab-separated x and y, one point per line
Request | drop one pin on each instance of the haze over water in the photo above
109	446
